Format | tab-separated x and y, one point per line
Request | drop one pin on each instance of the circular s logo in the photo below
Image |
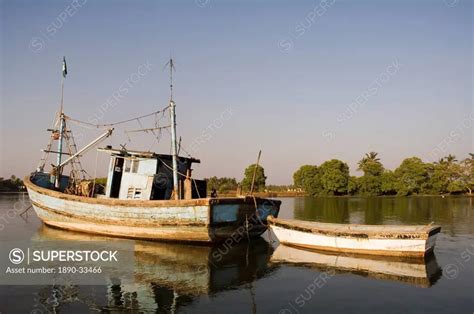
16	256
37	44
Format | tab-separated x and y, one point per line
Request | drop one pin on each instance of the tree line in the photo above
412	176
226	185
13	184
448	175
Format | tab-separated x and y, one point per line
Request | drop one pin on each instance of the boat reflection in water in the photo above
168	276
418	272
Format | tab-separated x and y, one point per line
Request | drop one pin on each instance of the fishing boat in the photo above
384	240
421	273
147	195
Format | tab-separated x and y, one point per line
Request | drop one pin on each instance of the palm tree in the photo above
372	156
450	159
362	163
369	157
469	162
441	161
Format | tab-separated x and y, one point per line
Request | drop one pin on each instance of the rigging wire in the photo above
146	130
180	147
95	172
115	123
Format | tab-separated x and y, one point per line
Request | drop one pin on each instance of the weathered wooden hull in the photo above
196	220
403	241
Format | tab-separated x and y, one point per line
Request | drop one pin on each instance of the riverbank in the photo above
303	194
267	194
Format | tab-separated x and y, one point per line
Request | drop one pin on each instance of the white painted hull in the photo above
355	241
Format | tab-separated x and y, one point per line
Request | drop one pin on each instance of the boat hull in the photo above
197	220
386	243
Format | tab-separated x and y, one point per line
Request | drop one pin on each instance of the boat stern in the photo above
240	216
431	240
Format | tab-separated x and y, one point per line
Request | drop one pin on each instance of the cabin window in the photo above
134	193
135	166
127	165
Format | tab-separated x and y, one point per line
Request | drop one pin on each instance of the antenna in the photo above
170	64
62	127
174	148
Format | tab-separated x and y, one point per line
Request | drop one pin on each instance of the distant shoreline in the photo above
302	194
13	192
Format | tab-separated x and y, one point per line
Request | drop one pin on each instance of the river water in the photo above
264	277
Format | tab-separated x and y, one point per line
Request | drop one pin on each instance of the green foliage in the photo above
302	174
13	184
456	187
353	185
334	177
439	178
370	164
221	185
308	178
467	173
448	176
412	176
370	183
260	178
388	183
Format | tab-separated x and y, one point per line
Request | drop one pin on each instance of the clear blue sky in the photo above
290	72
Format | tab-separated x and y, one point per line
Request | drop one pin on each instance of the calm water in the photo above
267	278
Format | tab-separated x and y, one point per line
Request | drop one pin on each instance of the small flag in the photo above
64	67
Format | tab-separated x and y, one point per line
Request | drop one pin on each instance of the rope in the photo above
115	123
194	181
259	219
95	172
148	129
181	147
247	227
195	185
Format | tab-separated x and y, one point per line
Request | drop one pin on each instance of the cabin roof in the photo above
141	154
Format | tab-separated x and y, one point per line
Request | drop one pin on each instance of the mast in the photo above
174	150
62	126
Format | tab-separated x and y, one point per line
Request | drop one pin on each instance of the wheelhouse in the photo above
149	176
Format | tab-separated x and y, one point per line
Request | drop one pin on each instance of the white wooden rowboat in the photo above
387	240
